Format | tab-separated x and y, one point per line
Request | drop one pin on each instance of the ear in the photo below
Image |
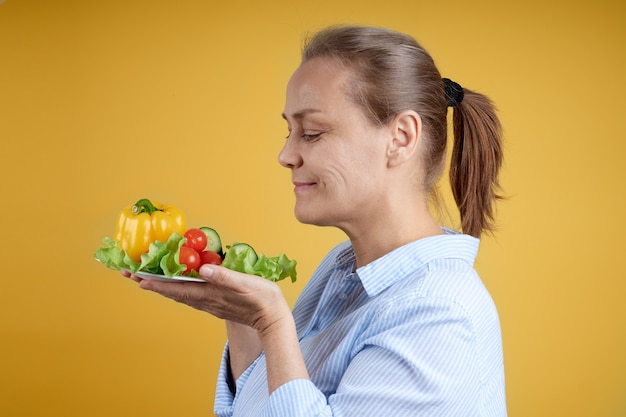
406	130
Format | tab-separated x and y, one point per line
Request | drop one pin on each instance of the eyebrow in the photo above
300	115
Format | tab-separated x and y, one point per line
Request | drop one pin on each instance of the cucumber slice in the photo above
213	241
238	248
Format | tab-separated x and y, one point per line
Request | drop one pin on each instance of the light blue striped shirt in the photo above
414	333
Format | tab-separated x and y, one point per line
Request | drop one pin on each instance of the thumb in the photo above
216	274
221	276
208	271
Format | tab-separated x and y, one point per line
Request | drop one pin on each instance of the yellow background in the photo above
104	102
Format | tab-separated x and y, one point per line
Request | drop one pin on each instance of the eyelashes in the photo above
308	137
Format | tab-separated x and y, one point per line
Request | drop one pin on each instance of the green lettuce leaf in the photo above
242	258
114	257
169	263
163	258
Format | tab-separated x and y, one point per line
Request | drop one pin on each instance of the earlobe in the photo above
406	130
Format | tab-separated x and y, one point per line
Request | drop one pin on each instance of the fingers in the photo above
179	291
225	294
217	274
198	295
128	274
236	282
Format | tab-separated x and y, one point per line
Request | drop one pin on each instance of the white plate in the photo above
147	275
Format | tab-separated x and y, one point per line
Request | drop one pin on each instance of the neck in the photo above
380	234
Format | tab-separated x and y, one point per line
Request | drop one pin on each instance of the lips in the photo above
299	186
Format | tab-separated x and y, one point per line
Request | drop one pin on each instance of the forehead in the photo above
320	83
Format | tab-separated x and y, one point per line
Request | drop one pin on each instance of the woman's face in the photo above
336	156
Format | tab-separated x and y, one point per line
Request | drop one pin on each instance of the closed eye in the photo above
307	137
310	137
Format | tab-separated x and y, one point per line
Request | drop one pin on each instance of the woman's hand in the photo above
248	300
226	294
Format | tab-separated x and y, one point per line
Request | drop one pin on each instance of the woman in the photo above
395	321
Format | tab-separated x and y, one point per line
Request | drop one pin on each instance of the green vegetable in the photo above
114	257
163	258
242	257
213	241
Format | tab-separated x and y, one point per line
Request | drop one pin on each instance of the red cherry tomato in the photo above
196	239
190	258
210	257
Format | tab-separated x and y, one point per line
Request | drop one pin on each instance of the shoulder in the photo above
434	280
445	285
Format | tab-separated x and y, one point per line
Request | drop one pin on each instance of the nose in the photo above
289	157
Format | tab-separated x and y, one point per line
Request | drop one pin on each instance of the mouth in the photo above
302	186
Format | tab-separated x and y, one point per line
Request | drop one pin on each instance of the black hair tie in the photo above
454	92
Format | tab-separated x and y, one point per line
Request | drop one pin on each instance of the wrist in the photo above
275	325
279	339
274	314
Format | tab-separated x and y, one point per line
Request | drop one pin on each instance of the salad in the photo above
148	239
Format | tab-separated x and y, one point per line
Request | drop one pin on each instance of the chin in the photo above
308	215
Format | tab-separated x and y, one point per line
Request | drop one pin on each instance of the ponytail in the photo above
392	73
476	161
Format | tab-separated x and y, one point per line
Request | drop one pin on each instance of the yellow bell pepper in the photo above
142	223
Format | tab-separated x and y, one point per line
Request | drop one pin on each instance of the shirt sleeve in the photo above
426	364
224	392
299	397
421	363
226	388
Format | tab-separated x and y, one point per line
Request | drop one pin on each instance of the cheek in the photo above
362	170
340	179
357	163
350	186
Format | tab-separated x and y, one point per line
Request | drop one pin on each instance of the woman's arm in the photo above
282	350
244	347
257	316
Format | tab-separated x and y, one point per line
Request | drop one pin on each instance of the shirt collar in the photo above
383	272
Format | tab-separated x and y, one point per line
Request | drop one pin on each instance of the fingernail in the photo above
206	271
